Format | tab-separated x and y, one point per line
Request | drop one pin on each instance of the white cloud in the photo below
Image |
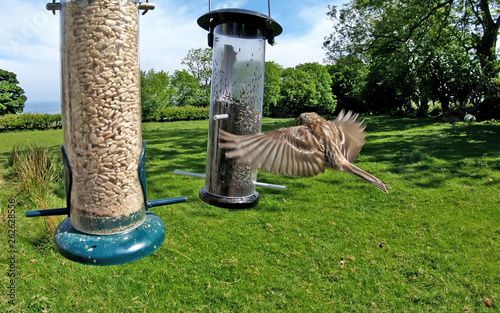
166	35
29	38
228	4
291	50
29	47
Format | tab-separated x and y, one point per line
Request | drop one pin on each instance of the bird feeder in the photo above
238	38
103	152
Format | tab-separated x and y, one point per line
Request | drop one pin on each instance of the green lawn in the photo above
331	243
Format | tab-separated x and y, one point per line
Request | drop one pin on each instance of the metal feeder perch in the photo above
103	153
238	38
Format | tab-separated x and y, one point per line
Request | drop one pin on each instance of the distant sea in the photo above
50	107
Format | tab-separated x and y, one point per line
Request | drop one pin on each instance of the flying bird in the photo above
305	149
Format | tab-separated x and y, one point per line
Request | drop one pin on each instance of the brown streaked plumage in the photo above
306	149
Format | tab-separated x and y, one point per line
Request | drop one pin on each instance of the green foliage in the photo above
12	96
291	91
286	92
199	63
419	52
30	121
297	94
27	121
330	243
272	80
348	75
188	91
183	113
323	82
156	93
160	90
162	93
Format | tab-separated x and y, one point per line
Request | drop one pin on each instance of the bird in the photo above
304	150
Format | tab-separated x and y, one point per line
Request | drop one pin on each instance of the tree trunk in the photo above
486	48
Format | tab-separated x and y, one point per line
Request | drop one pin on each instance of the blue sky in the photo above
29	39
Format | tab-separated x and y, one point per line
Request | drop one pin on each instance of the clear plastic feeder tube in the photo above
101	112
237	90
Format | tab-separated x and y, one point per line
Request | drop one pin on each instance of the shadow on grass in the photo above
426	151
182	149
177	149
169	150
431	150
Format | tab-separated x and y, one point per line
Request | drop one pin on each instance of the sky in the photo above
29	39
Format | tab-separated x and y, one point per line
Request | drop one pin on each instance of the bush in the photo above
46	121
184	113
30	121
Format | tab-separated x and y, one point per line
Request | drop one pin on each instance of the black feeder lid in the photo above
266	24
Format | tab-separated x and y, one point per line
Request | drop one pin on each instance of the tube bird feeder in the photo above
238	38
103	151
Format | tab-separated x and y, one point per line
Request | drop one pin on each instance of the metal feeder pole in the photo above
238	38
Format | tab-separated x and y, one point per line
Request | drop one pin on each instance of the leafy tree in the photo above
481	18
272	80
421	50
199	63
12	96
348	75
297	94
156	93
322	81
188	90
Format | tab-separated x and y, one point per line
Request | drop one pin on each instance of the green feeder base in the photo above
110	249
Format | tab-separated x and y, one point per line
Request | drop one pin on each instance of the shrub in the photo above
30	121
46	121
184	113
8	122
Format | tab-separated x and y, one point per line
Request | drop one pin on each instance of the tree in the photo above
199	63
156	93
348	76
12	96
188	90
481	13
416	48
323	82
272	80
297	94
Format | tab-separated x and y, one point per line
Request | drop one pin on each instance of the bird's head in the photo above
306	118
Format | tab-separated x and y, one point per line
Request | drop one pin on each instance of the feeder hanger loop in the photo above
53	6
56	6
145	6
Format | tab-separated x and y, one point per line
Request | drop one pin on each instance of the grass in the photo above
331	243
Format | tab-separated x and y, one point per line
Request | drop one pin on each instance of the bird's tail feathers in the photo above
353	169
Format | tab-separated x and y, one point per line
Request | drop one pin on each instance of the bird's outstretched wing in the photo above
352	134
292	151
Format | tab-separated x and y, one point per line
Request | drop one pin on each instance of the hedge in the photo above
46	121
184	113
30	121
